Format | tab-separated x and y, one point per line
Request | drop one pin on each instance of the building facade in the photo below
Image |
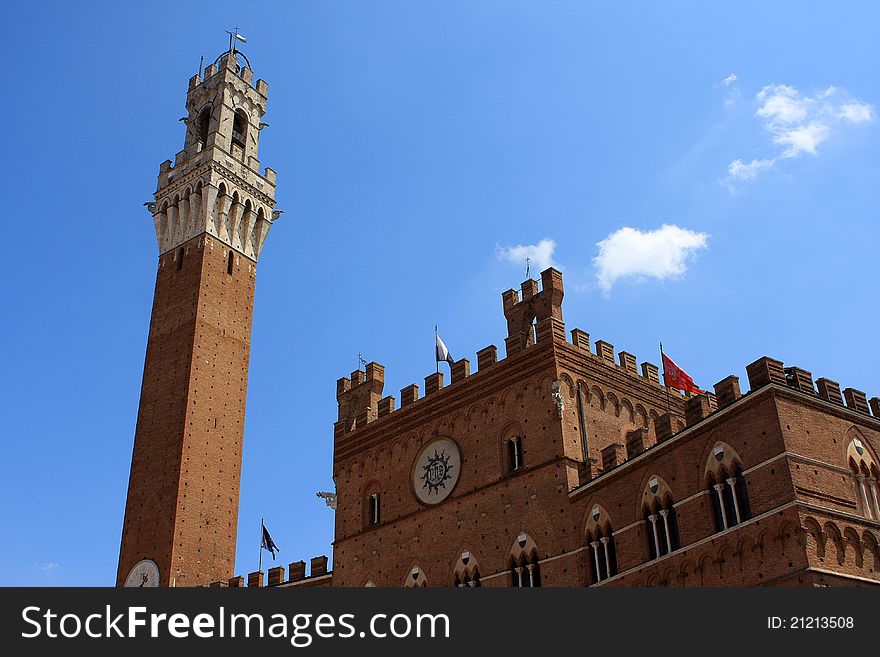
562	464
212	211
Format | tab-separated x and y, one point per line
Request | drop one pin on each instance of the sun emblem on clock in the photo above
437	471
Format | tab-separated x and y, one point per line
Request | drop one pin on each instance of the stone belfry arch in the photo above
213	209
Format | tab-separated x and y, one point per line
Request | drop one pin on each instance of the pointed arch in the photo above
661	522
524	563
727	486
600	543
415	578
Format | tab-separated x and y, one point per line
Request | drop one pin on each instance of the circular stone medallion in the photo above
435	471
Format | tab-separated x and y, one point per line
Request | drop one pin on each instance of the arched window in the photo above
467	571
525	572
239	130
515	453
662	528
416	578
525	564
601	550
865	477
661	522
727	488
203	124
373	509
602	553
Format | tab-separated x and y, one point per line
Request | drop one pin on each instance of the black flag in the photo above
268	543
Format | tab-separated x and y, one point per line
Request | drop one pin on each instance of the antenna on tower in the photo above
361	361
528	267
201	62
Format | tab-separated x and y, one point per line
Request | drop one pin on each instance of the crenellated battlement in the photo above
318	575
535	318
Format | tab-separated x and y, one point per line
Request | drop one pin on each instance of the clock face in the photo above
145	573
435	471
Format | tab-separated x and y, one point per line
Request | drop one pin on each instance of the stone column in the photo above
718	489
595	546
653	520
664	513
731	481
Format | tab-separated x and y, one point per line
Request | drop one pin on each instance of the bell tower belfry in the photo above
213	209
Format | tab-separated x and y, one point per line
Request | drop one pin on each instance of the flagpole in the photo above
436	355
663	362
260	568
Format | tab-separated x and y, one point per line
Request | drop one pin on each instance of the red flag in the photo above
675	377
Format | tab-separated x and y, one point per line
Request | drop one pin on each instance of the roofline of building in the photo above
738	405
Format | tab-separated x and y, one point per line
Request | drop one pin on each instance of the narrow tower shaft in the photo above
212	212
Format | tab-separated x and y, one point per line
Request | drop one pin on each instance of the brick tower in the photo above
212	211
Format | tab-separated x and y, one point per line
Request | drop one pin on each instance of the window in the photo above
515	453
239	129
727	488
230	263
467	571
373	511
180	259
662	528
866	479
730	499
203	124
602	553
525	572
467	579
416	578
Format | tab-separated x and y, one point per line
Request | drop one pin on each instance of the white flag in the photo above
240	37
443	352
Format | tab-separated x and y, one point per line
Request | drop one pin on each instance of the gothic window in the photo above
661	521
726	485
467	571
525	572
602	553
601	550
416	578
515	453
865	479
524	566
662	528
239	129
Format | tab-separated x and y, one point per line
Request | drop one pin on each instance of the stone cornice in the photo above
213	165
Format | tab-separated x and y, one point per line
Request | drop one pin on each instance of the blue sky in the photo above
417	146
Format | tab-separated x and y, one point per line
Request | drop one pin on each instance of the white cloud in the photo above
46	567
803	139
739	170
733	93
540	254
799	124
857	112
631	253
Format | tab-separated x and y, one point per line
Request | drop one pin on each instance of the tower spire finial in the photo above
235	35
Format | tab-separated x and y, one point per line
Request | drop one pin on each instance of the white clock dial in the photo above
145	573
